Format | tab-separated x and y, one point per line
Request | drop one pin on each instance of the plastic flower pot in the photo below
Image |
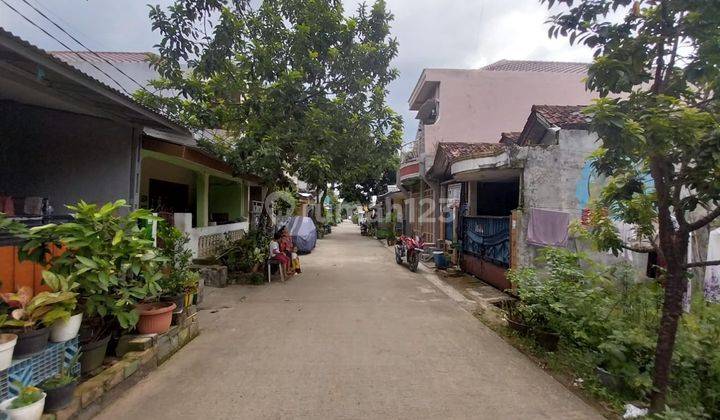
178	300
609	380
33	411
65	330
93	355
7	345
60	397
30	342
547	340
517	325
155	318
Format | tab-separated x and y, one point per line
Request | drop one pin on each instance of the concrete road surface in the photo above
355	336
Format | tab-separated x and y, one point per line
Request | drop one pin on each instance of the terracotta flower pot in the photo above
155	318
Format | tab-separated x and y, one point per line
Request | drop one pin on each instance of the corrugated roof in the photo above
36	50
72	57
538	66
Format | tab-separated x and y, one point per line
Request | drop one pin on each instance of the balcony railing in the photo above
410	152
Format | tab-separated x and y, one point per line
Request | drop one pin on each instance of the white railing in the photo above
204	241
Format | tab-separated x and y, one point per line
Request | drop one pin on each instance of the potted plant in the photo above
155	317
94	344
67	328
113	262
32	317
7	345
535	318
516	322
247	254
536	308
28	405
60	388
178	279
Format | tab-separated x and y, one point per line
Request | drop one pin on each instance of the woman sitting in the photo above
278	255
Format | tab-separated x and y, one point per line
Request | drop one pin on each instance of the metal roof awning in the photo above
31	76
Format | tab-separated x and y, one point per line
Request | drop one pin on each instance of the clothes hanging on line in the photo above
548	228
687	298
711	286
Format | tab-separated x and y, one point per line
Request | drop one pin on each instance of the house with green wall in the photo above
67	136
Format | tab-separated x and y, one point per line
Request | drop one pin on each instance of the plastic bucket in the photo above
440	260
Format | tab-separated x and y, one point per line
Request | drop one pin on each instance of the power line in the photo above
64	45
67	24
83	45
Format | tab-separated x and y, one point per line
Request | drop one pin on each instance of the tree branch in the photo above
639	249
702	264
704	103
703	221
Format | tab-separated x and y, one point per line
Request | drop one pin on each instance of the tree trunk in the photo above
673	247
314	212
322	206
264	224
675	287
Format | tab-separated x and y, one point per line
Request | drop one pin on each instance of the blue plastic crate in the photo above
35	369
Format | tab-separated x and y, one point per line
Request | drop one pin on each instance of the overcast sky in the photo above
431	33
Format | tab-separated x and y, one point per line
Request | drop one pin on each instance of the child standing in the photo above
296	261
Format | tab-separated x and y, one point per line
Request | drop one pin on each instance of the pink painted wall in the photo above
478	105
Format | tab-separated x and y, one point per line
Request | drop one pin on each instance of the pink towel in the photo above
548	228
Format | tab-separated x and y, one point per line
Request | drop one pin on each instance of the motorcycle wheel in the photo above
398	255
413	261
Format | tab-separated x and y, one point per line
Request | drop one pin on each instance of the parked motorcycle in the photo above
410	249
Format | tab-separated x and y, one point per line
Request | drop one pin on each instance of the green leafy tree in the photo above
295	86
371	185
659	133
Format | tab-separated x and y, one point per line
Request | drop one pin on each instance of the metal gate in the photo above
487	237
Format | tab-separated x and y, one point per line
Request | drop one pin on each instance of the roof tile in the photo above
99	57
563	116
460	151
510	137
538	66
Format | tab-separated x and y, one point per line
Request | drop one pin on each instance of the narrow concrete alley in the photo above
354	336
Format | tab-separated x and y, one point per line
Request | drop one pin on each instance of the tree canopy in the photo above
289	87
659	133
